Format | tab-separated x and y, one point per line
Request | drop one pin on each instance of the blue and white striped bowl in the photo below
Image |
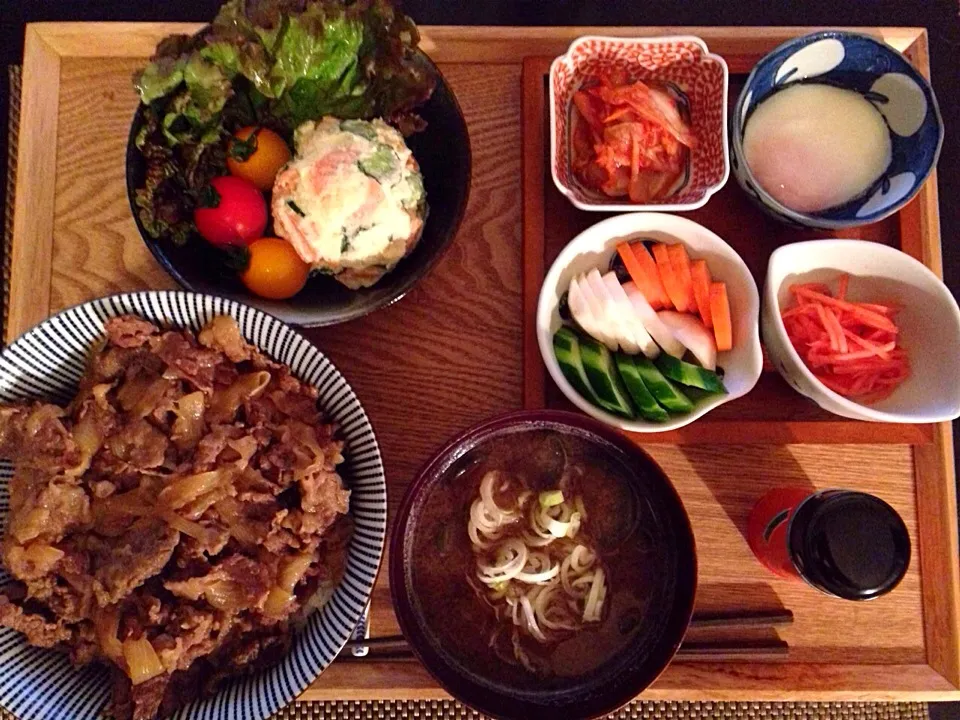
47	362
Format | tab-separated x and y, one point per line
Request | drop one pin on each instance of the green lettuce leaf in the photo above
273	63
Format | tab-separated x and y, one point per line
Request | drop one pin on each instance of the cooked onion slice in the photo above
142	661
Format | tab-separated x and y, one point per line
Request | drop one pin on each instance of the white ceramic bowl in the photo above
929	326
594	247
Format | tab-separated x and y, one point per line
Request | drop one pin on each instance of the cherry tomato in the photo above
275	270
257	154
231	211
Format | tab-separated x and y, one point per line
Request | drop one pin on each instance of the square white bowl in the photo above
595	246
929	326
681	59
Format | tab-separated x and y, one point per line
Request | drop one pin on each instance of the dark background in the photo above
940	17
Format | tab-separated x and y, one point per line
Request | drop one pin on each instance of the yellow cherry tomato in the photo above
275	270
257	154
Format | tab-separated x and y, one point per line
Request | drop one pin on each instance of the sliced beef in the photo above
129	331
223	334
190	634
322	494
45	508
187	361
39	630
34	435
237	579
137	702
214	443
125	562
139	444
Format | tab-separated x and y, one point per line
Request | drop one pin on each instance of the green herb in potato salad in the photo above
274	64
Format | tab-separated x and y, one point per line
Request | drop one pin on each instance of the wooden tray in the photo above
772	411
451	354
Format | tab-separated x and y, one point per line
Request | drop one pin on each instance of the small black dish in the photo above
443	152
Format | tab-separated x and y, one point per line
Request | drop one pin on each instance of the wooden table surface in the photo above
449	355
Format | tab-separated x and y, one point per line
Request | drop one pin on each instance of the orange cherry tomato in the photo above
275	270
257	154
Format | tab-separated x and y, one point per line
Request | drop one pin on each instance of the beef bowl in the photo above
196	494
543	566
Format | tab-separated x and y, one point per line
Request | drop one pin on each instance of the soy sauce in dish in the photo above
621	525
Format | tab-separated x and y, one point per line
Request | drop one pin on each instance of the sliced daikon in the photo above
694	335
654	325
605	332
645	343
580	311
617	322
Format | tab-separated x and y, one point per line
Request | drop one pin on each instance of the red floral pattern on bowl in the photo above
684	61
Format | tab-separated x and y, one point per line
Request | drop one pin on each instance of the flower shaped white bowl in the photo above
683	60
929	326
594	247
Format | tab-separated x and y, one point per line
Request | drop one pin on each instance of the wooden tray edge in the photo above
47	43
681	681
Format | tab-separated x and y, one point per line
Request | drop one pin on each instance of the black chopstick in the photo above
395	647
387	642
758	618
734	650
690	652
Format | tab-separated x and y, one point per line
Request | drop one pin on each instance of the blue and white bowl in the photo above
47	362
885	78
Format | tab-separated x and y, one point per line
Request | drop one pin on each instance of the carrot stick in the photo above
670	282
883	309
720	311
842	286
852	356
649	267
700	274
680	262
815	287
822	314
867	317
639	276
865	344
834	324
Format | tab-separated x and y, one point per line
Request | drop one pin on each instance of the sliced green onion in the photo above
551	498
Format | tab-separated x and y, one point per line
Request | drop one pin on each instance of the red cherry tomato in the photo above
231	211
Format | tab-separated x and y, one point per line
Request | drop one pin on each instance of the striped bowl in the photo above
47	362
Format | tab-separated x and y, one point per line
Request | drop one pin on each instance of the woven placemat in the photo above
449	709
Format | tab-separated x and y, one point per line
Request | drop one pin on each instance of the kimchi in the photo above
631	138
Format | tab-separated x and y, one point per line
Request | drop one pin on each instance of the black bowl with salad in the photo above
299	155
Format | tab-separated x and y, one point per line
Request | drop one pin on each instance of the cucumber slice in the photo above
604	378
566	347
666	393
689	374
647	405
